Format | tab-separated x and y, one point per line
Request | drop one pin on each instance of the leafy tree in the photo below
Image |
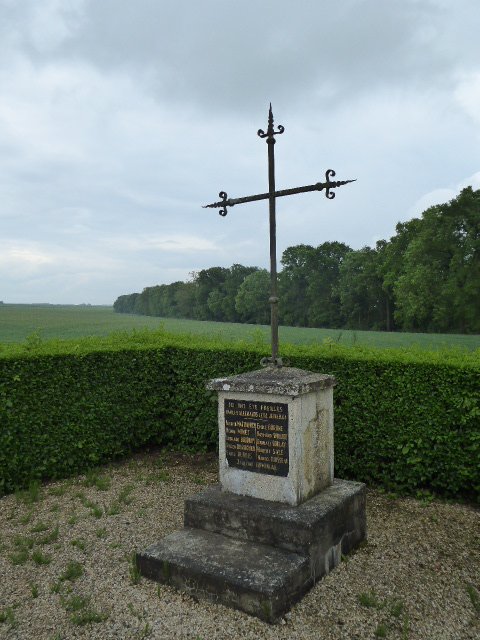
439	289
221	299
185	297
293	285
215	302
252	298
236	275
323	275
360	290
383	265
125	303
157	300
461	289
207	280
142	305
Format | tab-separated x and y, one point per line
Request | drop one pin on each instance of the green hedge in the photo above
406	420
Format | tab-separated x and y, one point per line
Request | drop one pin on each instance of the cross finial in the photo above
270	120
270	130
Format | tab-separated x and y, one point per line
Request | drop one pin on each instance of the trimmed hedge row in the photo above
406	420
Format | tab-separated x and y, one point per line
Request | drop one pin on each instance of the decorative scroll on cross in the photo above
272	195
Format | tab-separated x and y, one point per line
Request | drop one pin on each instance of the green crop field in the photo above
19	322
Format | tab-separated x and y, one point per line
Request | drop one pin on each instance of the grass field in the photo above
18	322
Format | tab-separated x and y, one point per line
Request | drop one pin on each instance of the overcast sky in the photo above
120	118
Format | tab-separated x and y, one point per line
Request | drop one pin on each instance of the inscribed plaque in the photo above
256	436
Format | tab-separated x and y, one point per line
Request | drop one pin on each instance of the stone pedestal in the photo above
275	433
278	521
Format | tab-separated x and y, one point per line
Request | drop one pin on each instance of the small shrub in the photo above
33	341
474	597
115	545
146	631
58	491
80	544
50	537
114	509
381	631
73	519
369	600
40	527
26	519
96	511
125	496
73	571
8	615
22	542
94	479
20	557
133	611
30	495
397	608
157	476
88	616
405	627
75	603
41	559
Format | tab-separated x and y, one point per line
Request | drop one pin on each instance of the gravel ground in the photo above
66	565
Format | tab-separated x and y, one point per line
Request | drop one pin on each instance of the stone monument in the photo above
278	521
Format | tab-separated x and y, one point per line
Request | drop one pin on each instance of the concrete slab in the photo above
260	580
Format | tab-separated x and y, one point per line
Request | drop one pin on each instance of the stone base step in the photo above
323	528
259	579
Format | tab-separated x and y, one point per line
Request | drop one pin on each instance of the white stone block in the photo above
275	433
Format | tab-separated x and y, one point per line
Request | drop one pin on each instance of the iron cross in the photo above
272	195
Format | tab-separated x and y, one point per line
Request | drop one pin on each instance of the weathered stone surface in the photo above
307	399
261	580
322	528
286	381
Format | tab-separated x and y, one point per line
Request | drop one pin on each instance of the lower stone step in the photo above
259	579
323	528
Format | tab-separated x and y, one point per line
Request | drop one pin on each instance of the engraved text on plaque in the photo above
256	436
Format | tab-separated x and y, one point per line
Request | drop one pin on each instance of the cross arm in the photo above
328	185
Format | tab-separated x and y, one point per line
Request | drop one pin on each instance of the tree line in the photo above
425	278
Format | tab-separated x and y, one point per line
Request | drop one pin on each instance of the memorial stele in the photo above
275	433
278	520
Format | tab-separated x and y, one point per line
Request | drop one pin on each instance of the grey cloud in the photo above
118	120
234	55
